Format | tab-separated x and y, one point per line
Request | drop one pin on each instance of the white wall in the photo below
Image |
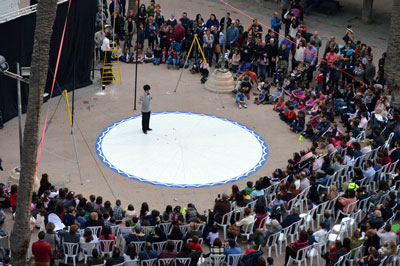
7	6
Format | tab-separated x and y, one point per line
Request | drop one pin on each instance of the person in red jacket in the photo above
320	81
42	251
195	245
289	116
13	197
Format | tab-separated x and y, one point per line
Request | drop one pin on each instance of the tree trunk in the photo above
20	235
392	66
367	11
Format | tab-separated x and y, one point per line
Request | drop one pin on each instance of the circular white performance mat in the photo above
183	150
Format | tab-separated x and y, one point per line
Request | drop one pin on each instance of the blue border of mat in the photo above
260	163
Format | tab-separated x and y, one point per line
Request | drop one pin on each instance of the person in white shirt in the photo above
88	237
320	235
364	121
248	218
386	234
106	46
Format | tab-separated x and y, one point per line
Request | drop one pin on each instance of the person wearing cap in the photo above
222	206
145	101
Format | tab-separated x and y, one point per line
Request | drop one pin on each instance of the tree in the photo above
392	66
20	235
367	11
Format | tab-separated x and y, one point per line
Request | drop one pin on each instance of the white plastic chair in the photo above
262	223
183	261
283	236
151	262
139	245
247	230
147	230
70	251
184	228
234	259
358	253
115	230
159	246
95	230
107	247
166	227
396	259
294	230
179	244
225	222
87	249
338	231
190	240
301	256
351	209
125	231
272	241
216	260
166	262
132	263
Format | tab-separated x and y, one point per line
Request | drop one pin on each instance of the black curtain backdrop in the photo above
16	45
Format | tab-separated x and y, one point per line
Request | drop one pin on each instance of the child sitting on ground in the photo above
164	56
289	116
241	99
280	105
298	125
157	55
173	58
260	99
246	86
126	57
149	56
139	56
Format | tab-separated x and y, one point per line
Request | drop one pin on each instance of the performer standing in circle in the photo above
145	101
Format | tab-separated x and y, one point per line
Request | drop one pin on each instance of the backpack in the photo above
276	213
251	259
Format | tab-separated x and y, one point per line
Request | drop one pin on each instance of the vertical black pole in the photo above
94	54
73	95
137	44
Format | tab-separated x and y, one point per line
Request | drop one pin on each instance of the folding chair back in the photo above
107	247
152	262
96	230
132	263
217	260
183	261
159	246
166	262
234	259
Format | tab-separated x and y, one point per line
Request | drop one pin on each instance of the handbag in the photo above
234	230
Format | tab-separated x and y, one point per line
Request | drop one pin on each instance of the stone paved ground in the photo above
94	112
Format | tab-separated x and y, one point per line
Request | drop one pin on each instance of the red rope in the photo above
51	93
265	26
